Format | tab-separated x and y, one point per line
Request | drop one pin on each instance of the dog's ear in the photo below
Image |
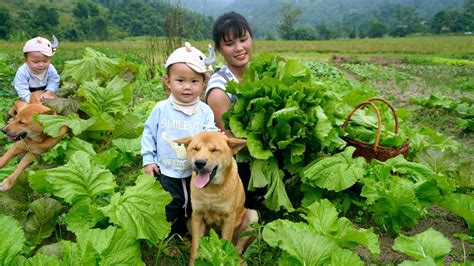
185	141
48	112
236	144
41	109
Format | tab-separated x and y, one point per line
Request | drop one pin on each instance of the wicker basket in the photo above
371	151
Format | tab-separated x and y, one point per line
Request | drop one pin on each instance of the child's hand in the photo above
48	95
151	169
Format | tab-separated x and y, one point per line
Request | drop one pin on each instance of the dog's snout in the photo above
200	163
4	130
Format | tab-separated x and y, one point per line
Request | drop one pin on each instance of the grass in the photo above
443	46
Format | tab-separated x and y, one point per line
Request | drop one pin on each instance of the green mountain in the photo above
264	15
99	19
193	19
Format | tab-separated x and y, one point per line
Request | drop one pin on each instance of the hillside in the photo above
193	19
98	19
264	15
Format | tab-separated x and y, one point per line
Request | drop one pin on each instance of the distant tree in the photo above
81	10
352	34
289	17
305	32
45	20
405	20
376	29
138	19
99	29
5	23
324	32
72	34
454	20
89	23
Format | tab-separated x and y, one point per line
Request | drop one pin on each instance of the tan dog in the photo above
19	104
29	136
217	193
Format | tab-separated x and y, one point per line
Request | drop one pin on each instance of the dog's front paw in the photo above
4	186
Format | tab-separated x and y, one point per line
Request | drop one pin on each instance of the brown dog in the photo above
217	193
29	136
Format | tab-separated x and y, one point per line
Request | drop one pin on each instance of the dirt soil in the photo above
437	218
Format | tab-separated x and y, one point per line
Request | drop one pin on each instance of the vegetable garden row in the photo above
85	202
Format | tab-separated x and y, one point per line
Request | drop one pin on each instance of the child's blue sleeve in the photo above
21	84
53	79
149	138
209	123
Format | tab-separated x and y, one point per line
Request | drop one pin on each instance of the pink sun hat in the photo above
192	57
42	45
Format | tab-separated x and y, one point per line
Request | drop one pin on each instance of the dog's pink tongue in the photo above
11	138
202	179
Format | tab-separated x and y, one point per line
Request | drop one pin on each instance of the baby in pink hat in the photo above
37	73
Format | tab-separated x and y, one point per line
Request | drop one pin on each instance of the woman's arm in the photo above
219	102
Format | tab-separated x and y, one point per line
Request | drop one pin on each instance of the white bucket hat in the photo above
42	45
192	57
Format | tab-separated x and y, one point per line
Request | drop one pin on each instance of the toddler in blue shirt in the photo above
182	114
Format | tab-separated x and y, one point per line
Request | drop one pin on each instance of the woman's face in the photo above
237	51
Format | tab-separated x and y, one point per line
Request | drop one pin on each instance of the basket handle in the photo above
379	120
395	115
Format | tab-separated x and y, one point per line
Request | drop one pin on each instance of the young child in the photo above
232	37
37	73
181	115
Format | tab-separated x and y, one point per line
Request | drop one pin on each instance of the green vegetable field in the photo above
87	201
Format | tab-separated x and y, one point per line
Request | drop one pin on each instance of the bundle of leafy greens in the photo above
363	127
281	112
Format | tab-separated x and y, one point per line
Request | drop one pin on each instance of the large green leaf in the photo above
462	205
83	216
412	170
12	239
300	241
79	180
42	220
257	148
345	257
428	261
108	100
141	209
276	196
323	127
337	172
52	124
323	217
111	246
131	146
429	243
392	200
438	160
77	144
129	127
92	65
216	251
41	260
259	174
